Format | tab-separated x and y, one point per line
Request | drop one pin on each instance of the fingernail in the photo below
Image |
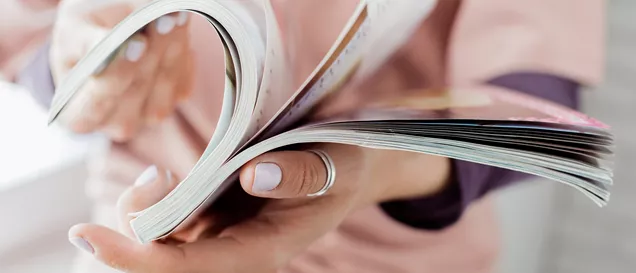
135	50
82	244
267	176
182	18
149	175
165	24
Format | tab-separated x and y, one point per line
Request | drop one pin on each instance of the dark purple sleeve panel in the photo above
36	77
471	181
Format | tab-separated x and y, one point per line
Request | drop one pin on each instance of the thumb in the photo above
287	174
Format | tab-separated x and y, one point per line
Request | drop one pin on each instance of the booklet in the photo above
262	112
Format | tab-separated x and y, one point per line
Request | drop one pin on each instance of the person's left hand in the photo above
286	225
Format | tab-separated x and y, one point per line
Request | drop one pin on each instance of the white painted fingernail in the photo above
148	176
267	176
165	24
82	244
182	18
134	50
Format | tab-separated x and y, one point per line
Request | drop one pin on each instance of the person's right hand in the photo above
143	81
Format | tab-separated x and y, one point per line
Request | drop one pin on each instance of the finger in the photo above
68	47
172	34
149	188
103	92
125	120
128	115
291	174
161	101
172	30
279	232
284	175
124	254
212	255
164	25
186	81
84	24
163	35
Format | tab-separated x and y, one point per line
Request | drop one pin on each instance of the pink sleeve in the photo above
560	37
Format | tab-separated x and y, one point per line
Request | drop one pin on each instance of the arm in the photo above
541	51
471	181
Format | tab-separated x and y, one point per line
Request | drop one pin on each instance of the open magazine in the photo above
262	112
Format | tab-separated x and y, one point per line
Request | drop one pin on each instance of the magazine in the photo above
262	112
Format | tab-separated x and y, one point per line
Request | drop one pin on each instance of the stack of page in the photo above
482	124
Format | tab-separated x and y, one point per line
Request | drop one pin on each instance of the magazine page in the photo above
437	123
480	105
340	59
356	47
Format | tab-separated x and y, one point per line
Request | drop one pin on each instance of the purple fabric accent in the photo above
37	78
471	181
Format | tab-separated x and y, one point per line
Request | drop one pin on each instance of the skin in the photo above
288	222
39	4
127	94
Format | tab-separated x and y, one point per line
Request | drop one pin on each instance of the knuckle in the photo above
310	174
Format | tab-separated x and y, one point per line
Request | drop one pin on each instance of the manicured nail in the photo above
148	176
165	24
134	50
182	18
267	176
82	244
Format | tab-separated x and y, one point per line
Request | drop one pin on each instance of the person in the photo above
23	28
388	211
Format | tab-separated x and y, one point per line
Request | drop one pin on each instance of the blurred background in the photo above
546	227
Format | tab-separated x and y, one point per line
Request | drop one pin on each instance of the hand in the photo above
287	223
142	82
